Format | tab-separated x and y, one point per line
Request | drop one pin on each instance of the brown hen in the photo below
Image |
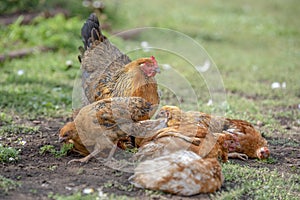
250	141
107	72
169	140
102	124
182	173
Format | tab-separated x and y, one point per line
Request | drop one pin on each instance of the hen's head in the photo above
149	66
263	153
231	142
67	132
168	112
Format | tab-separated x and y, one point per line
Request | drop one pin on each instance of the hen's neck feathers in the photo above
133	78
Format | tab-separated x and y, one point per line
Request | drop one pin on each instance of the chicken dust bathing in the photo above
124	114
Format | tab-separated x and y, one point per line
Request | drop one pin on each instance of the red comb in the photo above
153	59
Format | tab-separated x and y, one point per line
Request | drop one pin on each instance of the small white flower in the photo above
68	188
275	85
20	72
166	66
23	142
97	4
101	194
210	102
88	190
283	85
203	68
45	185
145	46
11	159
69	62
86	3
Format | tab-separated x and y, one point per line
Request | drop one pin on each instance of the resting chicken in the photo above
169	140
181	172
250	143
102	124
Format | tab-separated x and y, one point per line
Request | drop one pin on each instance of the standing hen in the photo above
107	72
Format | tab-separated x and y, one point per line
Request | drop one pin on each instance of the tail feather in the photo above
91	32
81	50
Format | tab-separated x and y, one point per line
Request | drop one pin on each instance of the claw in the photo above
93	154
238	155
81	160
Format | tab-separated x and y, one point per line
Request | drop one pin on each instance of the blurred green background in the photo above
253	44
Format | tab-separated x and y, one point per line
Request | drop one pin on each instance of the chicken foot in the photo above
86	158
96	151
238	155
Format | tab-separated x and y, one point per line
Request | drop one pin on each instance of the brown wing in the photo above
100	60
118	110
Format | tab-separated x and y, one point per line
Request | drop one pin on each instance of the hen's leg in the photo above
238	155
111	153
87	158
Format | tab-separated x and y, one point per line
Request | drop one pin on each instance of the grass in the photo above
261	183
7	184
5	119
51	149
253	44
16	129
8	154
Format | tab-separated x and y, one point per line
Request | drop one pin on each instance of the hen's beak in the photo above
263	153
157	70
61	139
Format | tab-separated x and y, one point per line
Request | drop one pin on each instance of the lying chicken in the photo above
198	123
250	142
102	124
107	72
169	140
182	173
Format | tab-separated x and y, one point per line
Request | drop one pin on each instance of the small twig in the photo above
23	52
28	17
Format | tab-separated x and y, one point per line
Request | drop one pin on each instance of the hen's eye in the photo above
67	133
162	113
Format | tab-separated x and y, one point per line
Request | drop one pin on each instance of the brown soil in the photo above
43	175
